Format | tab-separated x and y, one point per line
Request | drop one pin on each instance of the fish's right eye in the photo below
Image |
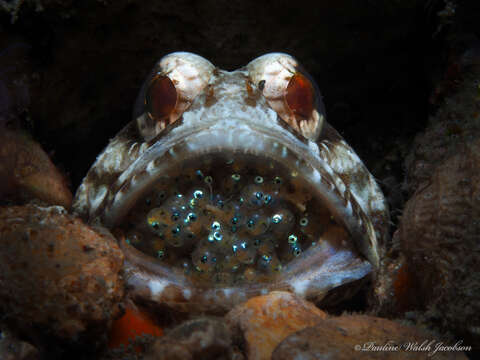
161	98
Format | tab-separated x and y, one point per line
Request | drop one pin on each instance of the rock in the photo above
264	321
57	274
12	348
202	338
440	226
27	173
360	337
133	324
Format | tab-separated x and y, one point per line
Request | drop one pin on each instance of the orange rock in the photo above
266	320
132	324
56	273
27	173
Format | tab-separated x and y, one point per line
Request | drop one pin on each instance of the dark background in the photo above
376	63
70	70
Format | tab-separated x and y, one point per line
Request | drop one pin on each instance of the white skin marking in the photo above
112	159
316	177
300	286
157	286
134	179
349	209
313	147
132	148
228	292
98	197
118	196
187	293
151	167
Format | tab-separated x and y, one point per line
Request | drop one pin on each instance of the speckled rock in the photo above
264	321
12	348
27	173
361	337
56	273
440	225
202	338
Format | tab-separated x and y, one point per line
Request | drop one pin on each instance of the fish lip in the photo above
147	277
157	283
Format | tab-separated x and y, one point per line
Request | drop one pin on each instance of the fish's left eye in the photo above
300	96
289	91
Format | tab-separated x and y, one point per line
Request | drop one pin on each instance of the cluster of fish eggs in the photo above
229	228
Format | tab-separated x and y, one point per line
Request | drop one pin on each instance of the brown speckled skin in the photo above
57	273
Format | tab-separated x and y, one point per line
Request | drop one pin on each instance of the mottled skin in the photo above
239	112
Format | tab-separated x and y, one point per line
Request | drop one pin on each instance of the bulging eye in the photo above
300	96
174	83
289	91
161	98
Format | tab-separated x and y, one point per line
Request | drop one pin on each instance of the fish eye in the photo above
161	98
300	96
175	81
290	92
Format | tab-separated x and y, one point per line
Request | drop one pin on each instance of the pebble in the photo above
264	321
361	337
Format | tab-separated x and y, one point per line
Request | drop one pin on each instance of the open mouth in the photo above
239	218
